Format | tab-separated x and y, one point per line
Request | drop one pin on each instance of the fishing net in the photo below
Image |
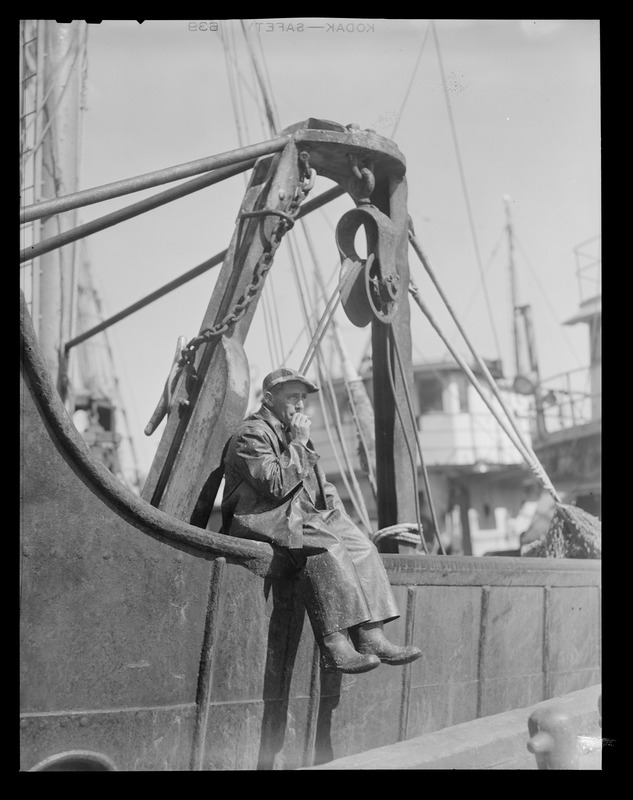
573	533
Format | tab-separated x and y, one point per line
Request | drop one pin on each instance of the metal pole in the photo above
61	79
107	221
167	175
311	205
145	301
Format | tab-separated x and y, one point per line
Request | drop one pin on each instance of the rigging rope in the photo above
513	433
427	484
546	298
325	319
367	455
355	496
415	69
75	48
414	468
491	257
270	113
464	187
275	322
272	345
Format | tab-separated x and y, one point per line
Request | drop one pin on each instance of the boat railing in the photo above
570	399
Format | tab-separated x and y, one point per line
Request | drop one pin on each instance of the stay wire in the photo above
271	94
512	430
427	485
469	304
54	75
545	297
414	468
277	329
270	113
272	348
51	113
408	91
335	336
357	501
328	429
464	187
357	496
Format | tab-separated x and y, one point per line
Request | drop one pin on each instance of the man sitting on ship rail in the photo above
276	492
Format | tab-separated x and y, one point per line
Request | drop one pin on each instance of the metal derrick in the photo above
368	167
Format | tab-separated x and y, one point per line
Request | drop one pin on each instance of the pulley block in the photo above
375	292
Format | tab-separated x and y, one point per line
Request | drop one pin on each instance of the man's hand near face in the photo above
300	427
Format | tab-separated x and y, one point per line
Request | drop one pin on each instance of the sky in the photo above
481	109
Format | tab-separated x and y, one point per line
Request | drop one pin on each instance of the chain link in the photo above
362	181
265	262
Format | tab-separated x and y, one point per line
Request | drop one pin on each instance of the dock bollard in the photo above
553	740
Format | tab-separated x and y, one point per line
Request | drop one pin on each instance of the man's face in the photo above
287	400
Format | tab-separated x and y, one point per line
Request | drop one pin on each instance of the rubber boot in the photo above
338	655
369	638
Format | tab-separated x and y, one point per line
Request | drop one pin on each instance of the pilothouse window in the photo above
430	395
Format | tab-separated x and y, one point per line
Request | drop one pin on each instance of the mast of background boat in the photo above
528	381
63	45
513	287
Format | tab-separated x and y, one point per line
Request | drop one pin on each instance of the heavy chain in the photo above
286	221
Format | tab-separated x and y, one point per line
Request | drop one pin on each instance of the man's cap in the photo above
284	375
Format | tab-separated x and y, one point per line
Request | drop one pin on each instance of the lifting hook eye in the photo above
362	182
164	404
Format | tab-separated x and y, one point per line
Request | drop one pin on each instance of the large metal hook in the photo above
164	404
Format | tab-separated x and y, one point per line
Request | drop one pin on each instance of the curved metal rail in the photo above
258	557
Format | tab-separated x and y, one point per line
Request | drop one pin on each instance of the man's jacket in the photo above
271	483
